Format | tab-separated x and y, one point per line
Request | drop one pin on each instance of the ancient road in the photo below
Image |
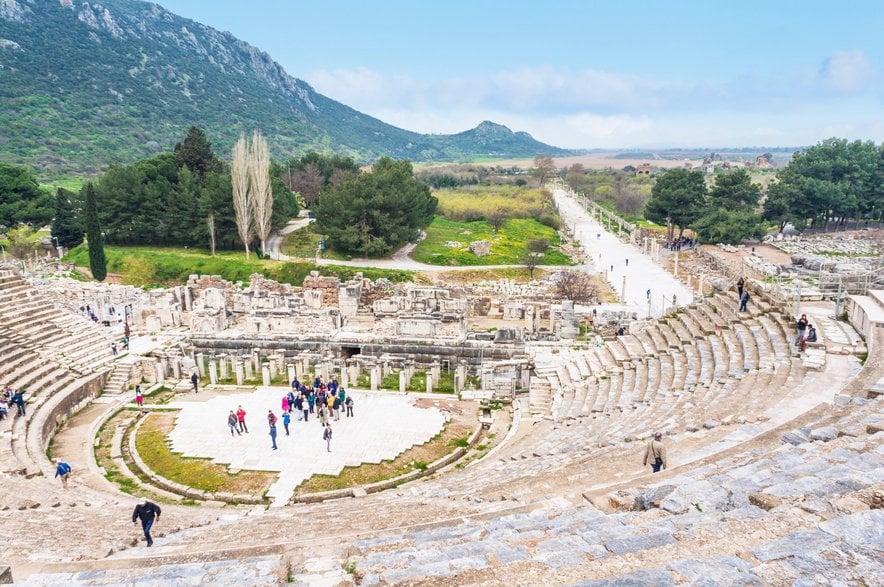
605	251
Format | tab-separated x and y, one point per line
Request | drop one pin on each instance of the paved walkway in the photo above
384	426
606	251
274	241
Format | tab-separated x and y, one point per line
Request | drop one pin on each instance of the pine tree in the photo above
66	226
97	260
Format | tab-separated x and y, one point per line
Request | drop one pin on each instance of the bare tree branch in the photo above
261	193
239	179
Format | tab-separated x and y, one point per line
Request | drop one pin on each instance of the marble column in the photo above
238	371
213	371
403	381
265	374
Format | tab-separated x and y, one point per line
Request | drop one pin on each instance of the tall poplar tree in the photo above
97	260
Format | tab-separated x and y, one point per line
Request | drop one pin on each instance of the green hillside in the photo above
83	85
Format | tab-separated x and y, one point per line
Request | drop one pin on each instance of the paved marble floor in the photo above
384	426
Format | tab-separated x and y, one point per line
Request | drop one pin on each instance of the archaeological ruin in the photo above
539	410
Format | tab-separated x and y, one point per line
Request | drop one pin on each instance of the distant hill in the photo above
85	84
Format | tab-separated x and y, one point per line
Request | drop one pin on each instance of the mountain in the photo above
84	84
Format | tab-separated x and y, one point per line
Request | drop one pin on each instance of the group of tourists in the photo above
324	402
12	397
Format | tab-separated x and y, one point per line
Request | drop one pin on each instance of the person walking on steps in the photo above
63	470
139	397
744	300
148	512
18	398
195	380
655	453
327	436
740	285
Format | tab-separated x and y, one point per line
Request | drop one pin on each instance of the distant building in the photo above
643	169
764	161
708	168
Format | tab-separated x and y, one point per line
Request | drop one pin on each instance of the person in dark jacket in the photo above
148	512
195	381
18	398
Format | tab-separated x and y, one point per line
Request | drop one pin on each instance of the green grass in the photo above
73	184
508	244
304	242
173	265
482	201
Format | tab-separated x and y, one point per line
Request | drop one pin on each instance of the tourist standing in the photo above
285	404
148	512
139	397
323	414
327	436
655	453
195	380
336	408
18	398
348	403
740	285
286	418
63	470
800	327
241	420
311	400
232	424
273	434
304	407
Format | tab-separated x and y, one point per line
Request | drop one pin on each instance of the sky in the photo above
584	74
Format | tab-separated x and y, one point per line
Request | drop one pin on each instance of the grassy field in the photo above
483	201
509	244
73	184
197	473
455	434
173	265
303	244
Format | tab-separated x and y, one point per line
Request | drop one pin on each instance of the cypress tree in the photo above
66	226
97	260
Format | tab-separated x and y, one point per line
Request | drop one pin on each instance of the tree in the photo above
261	194
210	226
66	225
372	213
731	214
575	285
97	260
195	153
544	168
22	242
677	199
21	199
531	260
735	190
538	245
239	180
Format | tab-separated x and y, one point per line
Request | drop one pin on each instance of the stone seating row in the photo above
747	496
70	338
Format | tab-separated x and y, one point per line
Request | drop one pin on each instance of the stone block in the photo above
5	576
824	434
639	542
480	248
862	529
701	496
764	500
651	498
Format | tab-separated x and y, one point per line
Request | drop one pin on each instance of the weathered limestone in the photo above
213	371
265	374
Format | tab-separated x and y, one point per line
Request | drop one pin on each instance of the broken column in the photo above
213	371
265	374
238	370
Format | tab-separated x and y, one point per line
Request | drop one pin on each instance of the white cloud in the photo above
592	108
847	71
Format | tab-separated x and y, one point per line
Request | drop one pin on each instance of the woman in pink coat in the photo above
285	404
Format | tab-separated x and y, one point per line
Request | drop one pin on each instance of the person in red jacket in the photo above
241	418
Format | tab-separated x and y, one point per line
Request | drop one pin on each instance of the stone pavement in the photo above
384	425
641	273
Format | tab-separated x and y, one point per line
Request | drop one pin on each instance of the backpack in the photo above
66	468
